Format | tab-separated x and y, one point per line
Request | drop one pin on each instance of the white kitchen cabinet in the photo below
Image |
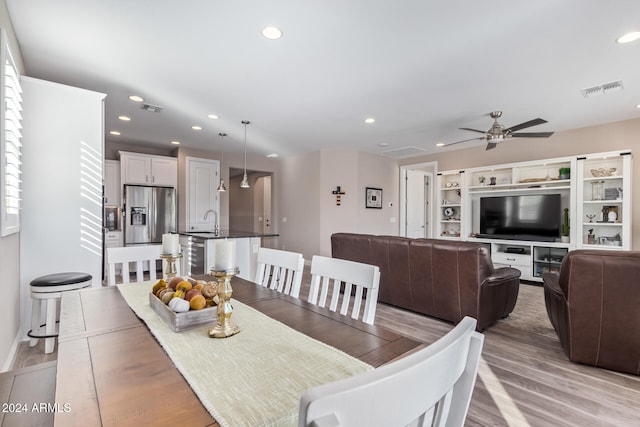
164	171
147	169
112	189
203	200
112	239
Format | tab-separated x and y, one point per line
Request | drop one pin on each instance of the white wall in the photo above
300	191
310	208
379	172
61	217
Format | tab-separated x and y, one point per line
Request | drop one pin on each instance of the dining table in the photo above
113	371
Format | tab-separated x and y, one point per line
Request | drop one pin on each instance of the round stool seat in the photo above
47	291
59	282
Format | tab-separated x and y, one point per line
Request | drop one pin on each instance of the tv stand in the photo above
515	250
531	258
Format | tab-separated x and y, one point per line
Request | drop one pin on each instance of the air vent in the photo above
602	89
403	152
152	108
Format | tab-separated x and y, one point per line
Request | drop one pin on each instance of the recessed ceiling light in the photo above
114	132
440	144
370	120
175	142
272	155
213	116
272	33
629	37
638	106
383	144
136	98
125	118
196	127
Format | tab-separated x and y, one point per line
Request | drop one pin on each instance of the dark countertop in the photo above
231	234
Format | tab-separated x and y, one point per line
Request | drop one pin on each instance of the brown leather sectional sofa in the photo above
594	306
439	278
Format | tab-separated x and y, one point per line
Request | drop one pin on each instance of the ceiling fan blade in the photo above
491	145
474	130
528	124
532	134
464	140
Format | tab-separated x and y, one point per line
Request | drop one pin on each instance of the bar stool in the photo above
49	288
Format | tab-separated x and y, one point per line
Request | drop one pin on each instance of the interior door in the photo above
417	204
202	194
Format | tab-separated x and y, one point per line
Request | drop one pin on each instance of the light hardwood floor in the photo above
525	378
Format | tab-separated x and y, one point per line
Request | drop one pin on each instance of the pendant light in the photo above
245	181
221	187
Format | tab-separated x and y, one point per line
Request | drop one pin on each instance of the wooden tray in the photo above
182	321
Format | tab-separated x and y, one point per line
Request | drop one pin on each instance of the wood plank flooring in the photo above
27	395
525	378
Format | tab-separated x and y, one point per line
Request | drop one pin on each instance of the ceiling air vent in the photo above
152	108
403	152
602	89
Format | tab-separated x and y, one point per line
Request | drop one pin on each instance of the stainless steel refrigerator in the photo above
150	212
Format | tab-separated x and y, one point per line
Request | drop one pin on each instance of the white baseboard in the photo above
11	357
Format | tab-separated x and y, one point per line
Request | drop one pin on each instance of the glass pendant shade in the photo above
245	181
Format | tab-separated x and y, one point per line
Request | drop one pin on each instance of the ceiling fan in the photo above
498	133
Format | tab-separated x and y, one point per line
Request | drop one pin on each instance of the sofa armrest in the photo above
501	275
551	283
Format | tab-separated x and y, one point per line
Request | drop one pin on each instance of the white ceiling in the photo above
421	68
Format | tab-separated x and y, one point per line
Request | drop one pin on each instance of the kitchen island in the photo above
198	250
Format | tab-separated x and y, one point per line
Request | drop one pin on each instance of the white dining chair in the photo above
140	255
280	270
329	274
432	386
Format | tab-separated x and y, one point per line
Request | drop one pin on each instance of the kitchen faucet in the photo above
216	229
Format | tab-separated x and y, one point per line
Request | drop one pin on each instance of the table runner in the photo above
254	378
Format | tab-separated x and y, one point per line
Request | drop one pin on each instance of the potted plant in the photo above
565	173
481	179
564	229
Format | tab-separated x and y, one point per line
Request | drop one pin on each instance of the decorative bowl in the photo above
600	172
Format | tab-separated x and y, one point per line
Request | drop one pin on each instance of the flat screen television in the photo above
526	217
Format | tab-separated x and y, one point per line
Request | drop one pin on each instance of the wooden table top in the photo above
112	371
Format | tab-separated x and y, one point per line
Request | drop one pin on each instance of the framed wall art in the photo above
373	198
